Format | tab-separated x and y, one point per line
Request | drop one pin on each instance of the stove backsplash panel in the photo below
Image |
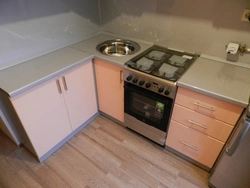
195	26
31	28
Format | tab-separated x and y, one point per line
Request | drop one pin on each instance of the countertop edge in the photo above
48	77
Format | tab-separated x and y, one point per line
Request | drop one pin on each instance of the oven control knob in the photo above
135	80
148	85
141	82
129	77
167	92
161	89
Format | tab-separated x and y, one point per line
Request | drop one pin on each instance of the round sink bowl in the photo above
118	47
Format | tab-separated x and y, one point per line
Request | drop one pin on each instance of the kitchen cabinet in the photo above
79	94
109	80
52	110
200	125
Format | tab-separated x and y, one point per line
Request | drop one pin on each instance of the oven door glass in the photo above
146	106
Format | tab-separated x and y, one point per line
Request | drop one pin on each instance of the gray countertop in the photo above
217	79
89	46
224	81
19	78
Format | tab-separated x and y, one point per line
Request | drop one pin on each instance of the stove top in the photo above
162	62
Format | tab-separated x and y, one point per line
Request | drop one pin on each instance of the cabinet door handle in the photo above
198	124
64	83
121	76
203	106
58	86
188	145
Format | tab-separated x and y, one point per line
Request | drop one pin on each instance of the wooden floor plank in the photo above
6	146
9	177
103	154
140	174
31	182
95	153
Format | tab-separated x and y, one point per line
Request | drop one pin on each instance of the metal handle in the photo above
200	125
193	147
64	83
121	76
203	106
245	122
58	86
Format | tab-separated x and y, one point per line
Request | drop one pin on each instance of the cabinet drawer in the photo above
207	125
193	144
209	106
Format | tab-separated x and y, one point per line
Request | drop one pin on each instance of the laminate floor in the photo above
103	154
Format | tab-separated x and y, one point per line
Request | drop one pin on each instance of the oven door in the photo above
148	107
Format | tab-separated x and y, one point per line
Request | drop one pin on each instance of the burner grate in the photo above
162	62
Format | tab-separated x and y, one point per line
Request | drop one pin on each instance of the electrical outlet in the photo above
245	15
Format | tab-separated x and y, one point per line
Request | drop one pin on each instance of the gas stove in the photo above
158	69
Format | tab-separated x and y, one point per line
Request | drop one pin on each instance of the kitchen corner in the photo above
27	77
165	116
206	76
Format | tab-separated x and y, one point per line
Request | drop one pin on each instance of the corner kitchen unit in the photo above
53	83
48	99
48	104
48	91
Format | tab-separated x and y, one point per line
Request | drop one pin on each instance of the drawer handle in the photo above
203	106
200	125
64	83
58	86
121	76
193	147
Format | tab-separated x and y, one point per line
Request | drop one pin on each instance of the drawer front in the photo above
193	144
202	123
215	108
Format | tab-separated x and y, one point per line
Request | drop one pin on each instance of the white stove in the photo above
150	88
158	69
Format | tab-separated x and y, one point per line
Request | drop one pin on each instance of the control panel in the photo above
154	84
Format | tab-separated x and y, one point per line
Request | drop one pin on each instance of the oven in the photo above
147	112
150	89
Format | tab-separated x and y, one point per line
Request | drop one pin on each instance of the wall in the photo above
5	130
190	25
29	28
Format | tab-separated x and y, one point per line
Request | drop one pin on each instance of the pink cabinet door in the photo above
80	95
43	115
110	89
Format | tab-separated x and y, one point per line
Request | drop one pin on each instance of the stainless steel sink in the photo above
118	47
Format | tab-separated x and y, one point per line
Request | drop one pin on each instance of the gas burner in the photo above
162	62
156	55
167	70
177	60
144	64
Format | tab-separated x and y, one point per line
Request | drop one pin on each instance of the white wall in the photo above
29	28
201	26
